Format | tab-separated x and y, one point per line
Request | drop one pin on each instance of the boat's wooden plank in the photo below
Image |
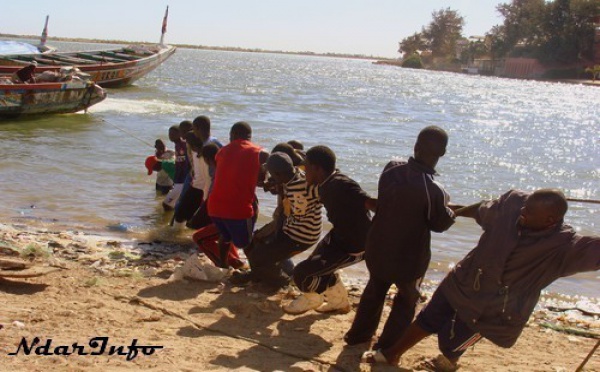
27	58
47	61
122	57
139	52
135	53
97	58
14	60
128	56
69	59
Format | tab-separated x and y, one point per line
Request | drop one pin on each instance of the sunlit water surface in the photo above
86	171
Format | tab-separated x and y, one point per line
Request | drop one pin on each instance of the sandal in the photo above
374	357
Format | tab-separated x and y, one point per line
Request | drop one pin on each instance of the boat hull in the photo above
48	98
109	69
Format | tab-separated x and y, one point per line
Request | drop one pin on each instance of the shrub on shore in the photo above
413	61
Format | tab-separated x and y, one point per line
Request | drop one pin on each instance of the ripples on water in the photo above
86	171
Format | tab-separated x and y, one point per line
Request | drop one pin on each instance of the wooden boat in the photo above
108	68
48	98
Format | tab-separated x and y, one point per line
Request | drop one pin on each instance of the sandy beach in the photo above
117	291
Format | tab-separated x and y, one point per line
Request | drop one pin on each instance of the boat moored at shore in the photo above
48	98
108	68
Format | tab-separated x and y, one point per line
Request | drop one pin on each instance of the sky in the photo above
367	27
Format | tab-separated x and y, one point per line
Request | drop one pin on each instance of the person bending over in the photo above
347	208
525	246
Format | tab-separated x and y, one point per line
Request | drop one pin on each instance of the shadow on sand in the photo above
20	288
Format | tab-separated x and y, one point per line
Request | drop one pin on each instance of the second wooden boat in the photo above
108	68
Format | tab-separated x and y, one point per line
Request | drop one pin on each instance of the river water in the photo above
86	171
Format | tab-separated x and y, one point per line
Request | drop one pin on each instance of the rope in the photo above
580	368
129	134
165	311
593	201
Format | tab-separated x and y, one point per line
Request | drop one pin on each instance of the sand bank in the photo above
119	290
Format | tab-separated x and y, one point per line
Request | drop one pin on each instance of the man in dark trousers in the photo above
348	207
410	205
491	293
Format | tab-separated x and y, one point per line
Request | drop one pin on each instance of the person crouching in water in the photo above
347	208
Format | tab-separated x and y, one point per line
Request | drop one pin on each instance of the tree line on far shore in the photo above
557	32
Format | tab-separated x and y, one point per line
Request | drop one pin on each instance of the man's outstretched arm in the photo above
465	211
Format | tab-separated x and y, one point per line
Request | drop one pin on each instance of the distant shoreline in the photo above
202	47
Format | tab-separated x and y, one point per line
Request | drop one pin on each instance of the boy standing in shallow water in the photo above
164	183
347	208
182	168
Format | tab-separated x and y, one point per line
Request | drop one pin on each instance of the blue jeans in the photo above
239	232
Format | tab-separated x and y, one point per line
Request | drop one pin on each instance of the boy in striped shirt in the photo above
298	232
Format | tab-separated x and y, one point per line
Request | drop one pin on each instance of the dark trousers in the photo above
188	204
265	256
370	308
200	219
317	272
163	190
454	335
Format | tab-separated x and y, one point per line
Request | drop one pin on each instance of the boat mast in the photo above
164	28
44	37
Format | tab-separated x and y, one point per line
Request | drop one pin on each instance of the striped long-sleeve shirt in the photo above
304	222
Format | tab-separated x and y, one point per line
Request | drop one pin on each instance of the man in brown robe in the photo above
491	293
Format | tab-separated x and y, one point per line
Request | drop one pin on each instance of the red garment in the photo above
207	240
235	181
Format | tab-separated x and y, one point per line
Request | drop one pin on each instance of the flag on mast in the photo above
164	24
164	27
44	37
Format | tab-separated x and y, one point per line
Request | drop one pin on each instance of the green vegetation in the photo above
594	71
439	37
563	73
413	61
34	250
556	32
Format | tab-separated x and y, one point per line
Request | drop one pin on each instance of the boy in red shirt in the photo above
231	203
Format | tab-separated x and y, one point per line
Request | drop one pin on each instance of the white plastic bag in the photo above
193	269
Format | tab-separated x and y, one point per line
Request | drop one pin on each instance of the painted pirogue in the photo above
108	68
48	98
